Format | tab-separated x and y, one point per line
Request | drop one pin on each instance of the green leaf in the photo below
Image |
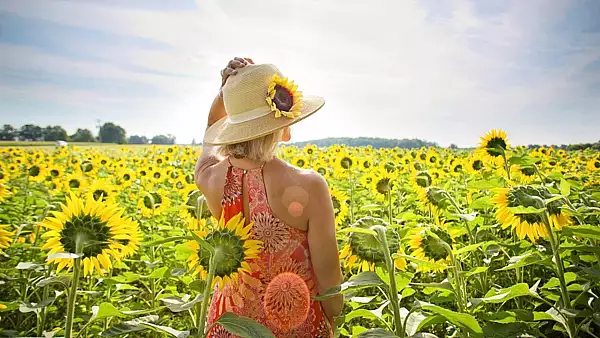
165	240
197	285
421	262
517	315
129	326
361	281
476	271
523	210
503	295
243	326
522	160
63	255
28	266
177	272
486	184
178	304
565	187
482	203
412	323
64	280
376	333
570	277
359	230
584	231
530	258
36	307
121	287
463	321
105	310
159	273
468	248
511	330
166	329
467	217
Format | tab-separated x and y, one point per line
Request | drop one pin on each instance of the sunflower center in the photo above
423	179
366	246
423	157
383	186
597	164
156	175
300	163
527	171
229	252
366	164
94	232
458	168
53	172
496	146
34	171
283	99
346	162
433	248
100	194
477	165
154	202
74	183
87	166
336	205
433	159
127	177
322	171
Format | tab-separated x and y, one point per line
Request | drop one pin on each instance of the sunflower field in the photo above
497	241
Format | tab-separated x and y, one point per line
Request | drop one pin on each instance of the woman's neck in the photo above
245	163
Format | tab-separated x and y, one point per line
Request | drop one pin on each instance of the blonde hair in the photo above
261	149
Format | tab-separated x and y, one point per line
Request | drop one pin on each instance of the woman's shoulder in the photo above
308	178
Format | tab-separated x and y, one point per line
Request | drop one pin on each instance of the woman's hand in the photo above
232	68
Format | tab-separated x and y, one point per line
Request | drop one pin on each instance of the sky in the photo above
444	71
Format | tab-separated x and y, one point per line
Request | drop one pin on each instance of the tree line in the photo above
375	142
107	133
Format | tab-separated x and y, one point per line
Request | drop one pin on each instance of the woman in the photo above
291	208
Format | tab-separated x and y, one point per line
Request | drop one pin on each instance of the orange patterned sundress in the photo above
285	250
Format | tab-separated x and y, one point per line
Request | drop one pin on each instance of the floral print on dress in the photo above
285	250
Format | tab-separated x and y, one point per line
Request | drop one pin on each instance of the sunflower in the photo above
320	167
343	163
427	247
234	249
593	165
493	144
36	173
523	173
300	161
102	190
432	198
340	205
382	184
528	224
100	228
457	167
153	203
284	98
475	165
74	182
433	157
364	251
366	164
125	177
6	237
422	179
310	150
4	192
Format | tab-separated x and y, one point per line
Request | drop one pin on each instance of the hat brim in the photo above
222	132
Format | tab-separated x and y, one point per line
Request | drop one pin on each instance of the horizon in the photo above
444	73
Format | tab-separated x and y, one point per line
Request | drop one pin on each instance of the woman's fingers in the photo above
249	60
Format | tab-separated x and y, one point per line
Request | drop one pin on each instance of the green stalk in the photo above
560	272
506	167
73	290
381	235
389	195
201	315
45	292
460	288
351	196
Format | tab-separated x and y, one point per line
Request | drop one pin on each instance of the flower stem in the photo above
506	167
393	297
390	206
351	196
201	315
460	289
73	290
560	272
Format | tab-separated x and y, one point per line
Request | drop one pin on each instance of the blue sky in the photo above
445	71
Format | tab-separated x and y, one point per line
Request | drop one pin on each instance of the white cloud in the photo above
386	68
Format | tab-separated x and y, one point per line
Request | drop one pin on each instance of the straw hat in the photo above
259	101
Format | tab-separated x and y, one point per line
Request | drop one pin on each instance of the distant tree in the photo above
193	141
112	133
83	135
453	146
56	133
8	133
135	139
162	139
30	132
372	141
